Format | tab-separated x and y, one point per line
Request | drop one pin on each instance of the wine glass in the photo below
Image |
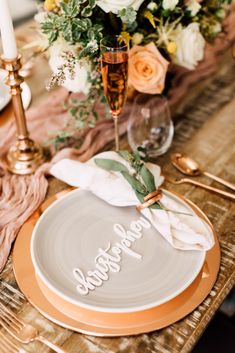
150	129
114	64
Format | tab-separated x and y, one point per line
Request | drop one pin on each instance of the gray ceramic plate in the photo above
69	234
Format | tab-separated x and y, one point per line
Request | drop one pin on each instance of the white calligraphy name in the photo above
110	262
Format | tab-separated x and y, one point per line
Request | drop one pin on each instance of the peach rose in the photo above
147	69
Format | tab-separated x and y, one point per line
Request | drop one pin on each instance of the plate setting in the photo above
112	319
107	258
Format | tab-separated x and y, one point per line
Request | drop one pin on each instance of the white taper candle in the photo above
7	31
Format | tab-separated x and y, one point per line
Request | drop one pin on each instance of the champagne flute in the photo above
114	63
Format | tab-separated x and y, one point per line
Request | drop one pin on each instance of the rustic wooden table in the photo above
205	129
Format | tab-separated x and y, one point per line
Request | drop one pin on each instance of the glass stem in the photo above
116	132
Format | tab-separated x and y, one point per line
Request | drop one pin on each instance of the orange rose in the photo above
147	69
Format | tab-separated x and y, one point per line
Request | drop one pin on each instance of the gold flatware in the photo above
22	332
7	346
188	166
204	186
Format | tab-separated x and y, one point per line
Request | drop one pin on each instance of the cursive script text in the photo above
108	259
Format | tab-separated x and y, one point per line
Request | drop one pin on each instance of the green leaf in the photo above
125	155
75	102
148	178
82	24
87	11
95	32
137	156
68	33
73	111
156	206
76	35
165	13
77	24
92	3
50	27
140	196
64	7
135	183
95	114
52	37
127	15
109	164
71	8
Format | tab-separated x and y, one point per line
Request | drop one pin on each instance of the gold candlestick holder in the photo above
25	156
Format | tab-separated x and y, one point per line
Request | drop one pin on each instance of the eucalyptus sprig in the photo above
141	179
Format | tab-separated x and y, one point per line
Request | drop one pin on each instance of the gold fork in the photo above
7	346
204	186
21	331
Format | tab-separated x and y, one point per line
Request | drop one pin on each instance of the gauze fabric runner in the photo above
185	232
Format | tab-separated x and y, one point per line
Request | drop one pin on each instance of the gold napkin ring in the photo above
150	199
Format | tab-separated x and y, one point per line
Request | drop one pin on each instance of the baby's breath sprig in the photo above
64	70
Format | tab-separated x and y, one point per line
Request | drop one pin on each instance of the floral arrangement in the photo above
159	32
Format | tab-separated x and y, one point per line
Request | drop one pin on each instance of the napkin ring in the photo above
150	199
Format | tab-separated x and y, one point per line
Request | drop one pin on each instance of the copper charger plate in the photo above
101	324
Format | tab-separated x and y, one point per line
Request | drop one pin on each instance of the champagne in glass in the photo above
114	51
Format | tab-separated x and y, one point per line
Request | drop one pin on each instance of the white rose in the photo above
193	6
152	6
190	46
169	4
80	82
116	5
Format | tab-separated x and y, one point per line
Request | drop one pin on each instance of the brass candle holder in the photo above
25	156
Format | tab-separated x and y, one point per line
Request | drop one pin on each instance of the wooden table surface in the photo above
205	129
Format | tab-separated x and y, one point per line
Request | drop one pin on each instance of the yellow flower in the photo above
50	5
171	47
150	17
126	36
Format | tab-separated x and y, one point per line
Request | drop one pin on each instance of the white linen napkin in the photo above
185	232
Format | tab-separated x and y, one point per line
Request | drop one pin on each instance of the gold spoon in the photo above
196	183
190	167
